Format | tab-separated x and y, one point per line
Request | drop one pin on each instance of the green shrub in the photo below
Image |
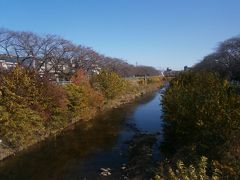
83	100
28	102
190	172
26	87
154	79
110	83
202	112
20	126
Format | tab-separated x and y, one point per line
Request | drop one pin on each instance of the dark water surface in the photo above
79	153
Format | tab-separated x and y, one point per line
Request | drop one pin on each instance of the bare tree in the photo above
51	54
225	61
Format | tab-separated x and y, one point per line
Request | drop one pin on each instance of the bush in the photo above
188	173
111	84
83	100
80	78
19	127
141	81
26	87
28	102
202	111
154	79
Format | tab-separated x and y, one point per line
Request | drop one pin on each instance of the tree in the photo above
61	58
201	112
110	83
225	61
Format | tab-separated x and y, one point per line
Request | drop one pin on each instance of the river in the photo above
81	151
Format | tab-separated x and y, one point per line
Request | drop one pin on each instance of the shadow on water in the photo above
80	152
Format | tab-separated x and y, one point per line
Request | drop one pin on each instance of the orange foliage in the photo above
25	87
80	77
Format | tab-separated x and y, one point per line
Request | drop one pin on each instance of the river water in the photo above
80	152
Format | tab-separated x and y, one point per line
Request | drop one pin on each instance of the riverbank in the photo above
6	152
83	149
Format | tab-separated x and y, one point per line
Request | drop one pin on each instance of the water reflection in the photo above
80	152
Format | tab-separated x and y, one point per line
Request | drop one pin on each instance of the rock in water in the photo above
105	172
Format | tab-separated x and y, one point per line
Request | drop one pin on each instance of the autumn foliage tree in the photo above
80	77
202	117
27	104
110	84
83	99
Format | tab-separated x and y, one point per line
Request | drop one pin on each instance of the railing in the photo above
127	78
63	82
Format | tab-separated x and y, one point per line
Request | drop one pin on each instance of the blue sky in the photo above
160	33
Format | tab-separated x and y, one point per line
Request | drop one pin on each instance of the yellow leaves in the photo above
20	127
190	172
110	84
83	99
225	83
203	110
27	101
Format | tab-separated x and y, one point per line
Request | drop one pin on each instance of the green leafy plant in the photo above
110	83
83	100
190	172
28	102
202	112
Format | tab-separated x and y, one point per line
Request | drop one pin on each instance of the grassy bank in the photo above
32	108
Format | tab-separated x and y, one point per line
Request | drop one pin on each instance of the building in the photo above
59	71
7	63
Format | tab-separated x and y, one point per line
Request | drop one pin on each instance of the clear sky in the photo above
161	33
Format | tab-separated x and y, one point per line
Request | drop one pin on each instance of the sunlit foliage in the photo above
27	104
111	84
190	172
202	115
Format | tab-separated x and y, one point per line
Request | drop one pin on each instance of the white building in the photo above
7	64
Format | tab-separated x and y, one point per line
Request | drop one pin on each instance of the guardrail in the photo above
63	82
